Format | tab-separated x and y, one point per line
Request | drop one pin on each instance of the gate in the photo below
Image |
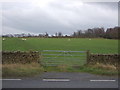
60	57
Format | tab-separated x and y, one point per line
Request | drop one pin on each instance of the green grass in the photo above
97	45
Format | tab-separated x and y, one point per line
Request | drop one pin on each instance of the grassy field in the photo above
97	45
75	44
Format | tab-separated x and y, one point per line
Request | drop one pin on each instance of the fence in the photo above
112	59
60	57
20	57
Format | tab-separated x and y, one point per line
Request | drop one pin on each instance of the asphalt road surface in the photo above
62	80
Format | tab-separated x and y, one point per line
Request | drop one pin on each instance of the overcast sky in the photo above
57	16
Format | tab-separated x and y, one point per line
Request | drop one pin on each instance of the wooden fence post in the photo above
88	56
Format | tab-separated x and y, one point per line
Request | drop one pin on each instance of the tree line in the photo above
110	33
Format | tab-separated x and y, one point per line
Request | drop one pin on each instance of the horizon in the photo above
57	32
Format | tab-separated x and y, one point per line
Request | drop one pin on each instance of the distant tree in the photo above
23	34
66	36
46	34
74	34
89	33
79	33
40	35
59	34
56	34
99	32
113	33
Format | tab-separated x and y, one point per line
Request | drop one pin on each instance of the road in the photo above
70	80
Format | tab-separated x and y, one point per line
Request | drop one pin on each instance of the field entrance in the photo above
61	57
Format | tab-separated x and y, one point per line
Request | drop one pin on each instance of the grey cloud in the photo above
37	22
106	5
57	16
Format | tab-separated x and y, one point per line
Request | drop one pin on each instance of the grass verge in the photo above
21	70
99	69
34	69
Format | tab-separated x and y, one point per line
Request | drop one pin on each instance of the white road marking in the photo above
10	79
66	80
102	80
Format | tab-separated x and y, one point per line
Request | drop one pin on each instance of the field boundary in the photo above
59	57
10	57
112	59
